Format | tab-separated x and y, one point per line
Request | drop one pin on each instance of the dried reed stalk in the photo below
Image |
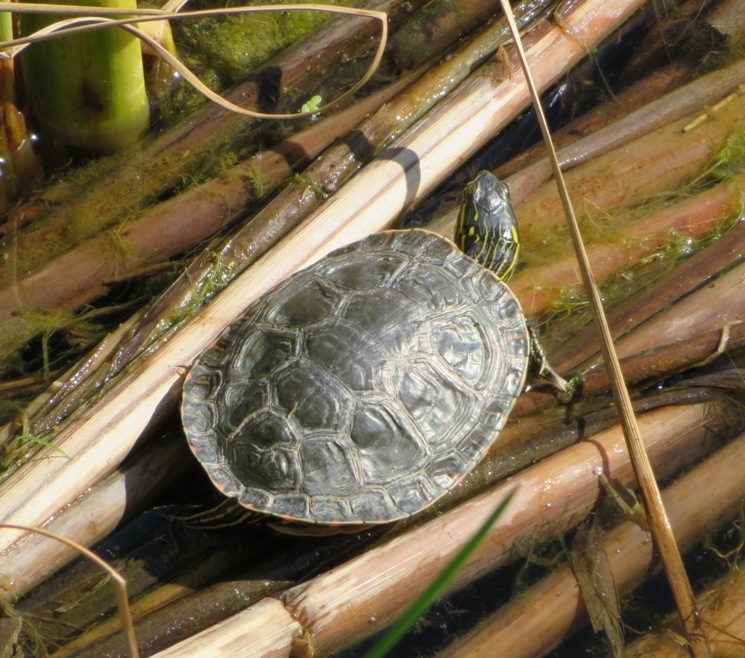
665	360
266	630
722	608
175	226
550	611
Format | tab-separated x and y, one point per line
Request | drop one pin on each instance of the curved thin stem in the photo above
120	583
95	19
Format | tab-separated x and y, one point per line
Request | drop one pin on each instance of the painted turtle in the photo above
363	388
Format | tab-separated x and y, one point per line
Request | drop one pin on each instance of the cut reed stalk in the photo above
552	610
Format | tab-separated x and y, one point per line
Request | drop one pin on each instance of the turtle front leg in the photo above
541	371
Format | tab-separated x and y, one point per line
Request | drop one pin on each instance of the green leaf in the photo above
43	442
437	586
312	105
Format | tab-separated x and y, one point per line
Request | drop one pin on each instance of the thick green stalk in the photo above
86	91
17	161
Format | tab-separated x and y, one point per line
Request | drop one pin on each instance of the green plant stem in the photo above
87	91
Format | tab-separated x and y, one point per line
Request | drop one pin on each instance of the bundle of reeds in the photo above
656	174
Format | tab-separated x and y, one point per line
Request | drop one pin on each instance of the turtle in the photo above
363	388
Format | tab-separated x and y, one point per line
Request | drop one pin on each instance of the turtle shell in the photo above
362	388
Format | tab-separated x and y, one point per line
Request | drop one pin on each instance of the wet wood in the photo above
722	606
265	631
549	612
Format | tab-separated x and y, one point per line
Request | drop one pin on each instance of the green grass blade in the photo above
437	586
43	442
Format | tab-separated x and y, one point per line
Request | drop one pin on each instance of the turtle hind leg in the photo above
541	372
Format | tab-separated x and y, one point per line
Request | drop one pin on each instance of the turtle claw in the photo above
543	374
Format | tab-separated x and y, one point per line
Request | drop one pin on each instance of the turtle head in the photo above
487	229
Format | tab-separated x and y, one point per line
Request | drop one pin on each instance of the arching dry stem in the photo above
119	583
95	19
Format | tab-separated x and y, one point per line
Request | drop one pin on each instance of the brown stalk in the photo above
670	358
266	629
690	275
697	311
224	582
654	174
544	615
653	505
575	142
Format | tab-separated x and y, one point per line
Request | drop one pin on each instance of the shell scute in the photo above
447	470
461	342
327	509
437	404
348	352
346	272
264	349
388	449
292	305
428	287
380	313
312	395
242	399
329	467
263	453
413	493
